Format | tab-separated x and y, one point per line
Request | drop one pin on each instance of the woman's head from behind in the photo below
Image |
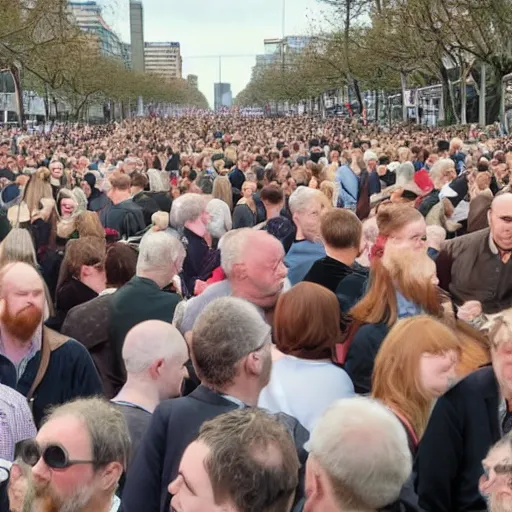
416	363
315	328
18	246
120	264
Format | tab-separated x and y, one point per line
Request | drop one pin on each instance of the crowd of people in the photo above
224	314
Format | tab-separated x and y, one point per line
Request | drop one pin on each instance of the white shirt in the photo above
304	389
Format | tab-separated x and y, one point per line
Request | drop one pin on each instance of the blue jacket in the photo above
70	374
300	259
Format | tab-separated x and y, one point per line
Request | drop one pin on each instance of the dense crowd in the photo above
226	314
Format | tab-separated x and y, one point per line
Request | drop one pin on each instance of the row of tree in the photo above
391	45
46	52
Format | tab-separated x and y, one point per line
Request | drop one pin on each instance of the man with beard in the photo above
41	364
231	351
77	458
478	266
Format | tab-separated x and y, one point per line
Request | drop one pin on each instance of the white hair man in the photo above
189	215
359	458
154	355
258	276
160	258
306	205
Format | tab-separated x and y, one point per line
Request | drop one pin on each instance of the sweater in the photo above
300	259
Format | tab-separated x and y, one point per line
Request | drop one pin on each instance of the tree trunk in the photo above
15	72
56	105
450	112
482	98
377	105
357	91
403	82
463	98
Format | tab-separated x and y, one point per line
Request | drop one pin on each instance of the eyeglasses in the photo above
55	456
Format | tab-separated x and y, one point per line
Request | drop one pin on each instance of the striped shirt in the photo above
16	423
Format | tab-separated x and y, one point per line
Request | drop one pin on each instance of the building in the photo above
89	19
223	96
137	35
163	59
193	81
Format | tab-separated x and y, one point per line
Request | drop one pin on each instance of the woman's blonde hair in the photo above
396	377
222	190
403	270
37	188
18	246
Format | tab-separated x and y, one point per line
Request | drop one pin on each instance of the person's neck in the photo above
153	276
299	235
273	212
15	348
196	226
94	285
247	392
120	197
240	290
346	256
137	191
99	503
139	392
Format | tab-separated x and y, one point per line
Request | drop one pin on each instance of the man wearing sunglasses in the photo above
77	458
45	367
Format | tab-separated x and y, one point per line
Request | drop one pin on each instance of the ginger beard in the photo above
24	323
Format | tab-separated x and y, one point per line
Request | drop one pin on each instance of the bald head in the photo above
502	204
150	342
20	274
500	221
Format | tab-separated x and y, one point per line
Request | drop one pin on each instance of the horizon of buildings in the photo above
223	97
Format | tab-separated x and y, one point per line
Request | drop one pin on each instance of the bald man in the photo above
154	354
42	365
477	267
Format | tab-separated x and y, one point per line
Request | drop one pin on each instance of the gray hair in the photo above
187	207
302	198
363	448
232	248
18	246
158	180
150	341
110	439
227	330
158	250
440	167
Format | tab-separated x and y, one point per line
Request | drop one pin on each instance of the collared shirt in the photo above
16	423
504	255
35	347
107	291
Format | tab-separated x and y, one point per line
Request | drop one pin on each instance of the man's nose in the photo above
41	472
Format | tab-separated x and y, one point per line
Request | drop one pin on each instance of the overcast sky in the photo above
211	27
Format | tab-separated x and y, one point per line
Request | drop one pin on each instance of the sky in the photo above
209	28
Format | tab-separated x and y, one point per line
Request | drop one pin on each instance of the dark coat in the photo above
88	324
70	374
137	301
351	289
237	178
126	218
97	201
175	424
328	273
428	202
362	353
162	199
148	205
462	428
243	217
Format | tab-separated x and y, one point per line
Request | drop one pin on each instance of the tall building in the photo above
193	81
137	35
223	96
163	59
88	17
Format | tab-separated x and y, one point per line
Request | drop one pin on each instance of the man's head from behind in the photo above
341	231
161	257
231	347
23	300
359	458
496	482
255	275
77	457
242	461
306	205
154	354
119	187
500	221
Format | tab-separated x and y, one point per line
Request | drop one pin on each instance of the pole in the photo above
283	21
483	85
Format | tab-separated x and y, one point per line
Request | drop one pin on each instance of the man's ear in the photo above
110	475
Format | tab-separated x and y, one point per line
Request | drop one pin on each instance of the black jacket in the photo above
97	201
138	300
328	273
147	204
428	202
175	424
462	428
162	199
70	374
126	218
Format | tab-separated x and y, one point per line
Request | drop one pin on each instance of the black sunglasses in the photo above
55	456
